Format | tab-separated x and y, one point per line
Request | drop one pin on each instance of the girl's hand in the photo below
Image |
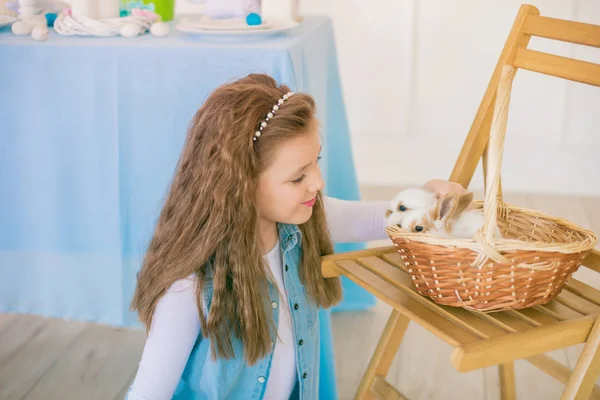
441	187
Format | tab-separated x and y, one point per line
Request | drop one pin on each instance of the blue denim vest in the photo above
233	379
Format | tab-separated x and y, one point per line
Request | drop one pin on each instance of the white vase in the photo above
288	9
224	8
108	9
28	8
84	8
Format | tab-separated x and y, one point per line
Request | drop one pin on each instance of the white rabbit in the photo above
449	216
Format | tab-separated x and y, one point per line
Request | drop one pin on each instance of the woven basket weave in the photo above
528	266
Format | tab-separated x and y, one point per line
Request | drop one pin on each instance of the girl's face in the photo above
287	188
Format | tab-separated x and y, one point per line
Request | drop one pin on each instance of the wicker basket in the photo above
528	266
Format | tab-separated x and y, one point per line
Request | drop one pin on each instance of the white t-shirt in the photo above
176	323
282	375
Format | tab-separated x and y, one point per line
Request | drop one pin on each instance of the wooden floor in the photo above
49	359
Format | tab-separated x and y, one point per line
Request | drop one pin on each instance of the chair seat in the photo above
479	339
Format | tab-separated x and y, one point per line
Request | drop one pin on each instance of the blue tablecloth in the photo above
90	132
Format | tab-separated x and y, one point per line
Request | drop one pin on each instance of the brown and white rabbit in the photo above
409	203
419	210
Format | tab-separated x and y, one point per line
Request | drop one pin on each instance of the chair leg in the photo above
507	381
587	369
384	354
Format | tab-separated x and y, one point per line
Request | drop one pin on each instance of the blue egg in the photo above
253	19
50	17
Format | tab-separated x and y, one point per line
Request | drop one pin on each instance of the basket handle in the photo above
495	149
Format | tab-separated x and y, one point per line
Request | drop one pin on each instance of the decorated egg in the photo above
253	19
39	33
130	30
159	29
21	28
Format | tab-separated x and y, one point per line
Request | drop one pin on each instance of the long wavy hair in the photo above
208	225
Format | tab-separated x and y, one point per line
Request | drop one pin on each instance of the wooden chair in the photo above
486	339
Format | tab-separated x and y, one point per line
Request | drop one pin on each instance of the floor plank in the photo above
350	329
125	388
33	358
6	320
18	334
96	366
426	373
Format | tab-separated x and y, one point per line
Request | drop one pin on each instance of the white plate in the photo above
274	27
6	20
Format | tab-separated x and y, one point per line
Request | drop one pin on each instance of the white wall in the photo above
431	62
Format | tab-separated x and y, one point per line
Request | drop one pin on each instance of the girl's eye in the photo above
319	158
299	179
402	208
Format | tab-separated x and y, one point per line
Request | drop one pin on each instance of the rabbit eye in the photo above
419	228
402	208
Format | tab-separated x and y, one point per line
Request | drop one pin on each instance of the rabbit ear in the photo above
464	201
447	206
452	204
388	213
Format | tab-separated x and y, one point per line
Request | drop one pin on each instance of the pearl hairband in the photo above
271	114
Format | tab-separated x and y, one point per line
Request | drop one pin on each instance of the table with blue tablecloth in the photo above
90	132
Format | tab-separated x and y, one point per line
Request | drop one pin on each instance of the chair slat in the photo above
464	318
411	308
508	321
558	311
503	349
586	291
536	317
328	267
383	390
398	277
592	261
577	303
566	31
562	67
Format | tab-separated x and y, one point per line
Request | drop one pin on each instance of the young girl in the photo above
231	284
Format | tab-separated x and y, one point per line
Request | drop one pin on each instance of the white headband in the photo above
271	114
